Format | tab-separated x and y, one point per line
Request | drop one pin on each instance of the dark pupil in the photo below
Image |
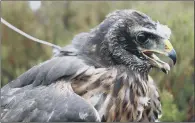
142	38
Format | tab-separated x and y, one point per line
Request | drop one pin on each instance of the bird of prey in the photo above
103	75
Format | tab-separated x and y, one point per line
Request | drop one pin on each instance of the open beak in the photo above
167	51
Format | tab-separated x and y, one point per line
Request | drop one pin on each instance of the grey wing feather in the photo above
53	103
48	72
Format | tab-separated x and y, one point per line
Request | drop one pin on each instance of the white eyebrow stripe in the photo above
161	30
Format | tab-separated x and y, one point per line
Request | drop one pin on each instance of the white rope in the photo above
28	36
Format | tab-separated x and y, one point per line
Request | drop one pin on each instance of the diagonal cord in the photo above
28	36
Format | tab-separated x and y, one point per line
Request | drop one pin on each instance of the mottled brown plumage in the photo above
125	100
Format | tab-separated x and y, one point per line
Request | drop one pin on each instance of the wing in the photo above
56	102
44	93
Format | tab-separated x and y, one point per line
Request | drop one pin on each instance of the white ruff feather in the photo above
163	30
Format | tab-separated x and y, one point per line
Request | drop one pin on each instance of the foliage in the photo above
58	22
170	110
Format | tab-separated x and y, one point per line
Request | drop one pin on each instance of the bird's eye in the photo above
142	38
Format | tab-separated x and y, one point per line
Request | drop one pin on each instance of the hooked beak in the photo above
167	51
170	51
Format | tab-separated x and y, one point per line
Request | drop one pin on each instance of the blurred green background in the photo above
58	22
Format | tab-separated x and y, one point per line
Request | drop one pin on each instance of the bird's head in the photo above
134	39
